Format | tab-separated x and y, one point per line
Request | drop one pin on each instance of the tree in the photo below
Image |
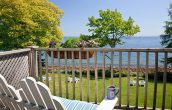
166	38
28	22
110	27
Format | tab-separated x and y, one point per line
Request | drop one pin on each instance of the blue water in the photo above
130	42
137	42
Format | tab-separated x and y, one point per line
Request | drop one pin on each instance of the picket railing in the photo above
42	63
15	65
61	63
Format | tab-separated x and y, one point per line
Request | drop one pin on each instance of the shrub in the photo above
92	73
70	43
160	76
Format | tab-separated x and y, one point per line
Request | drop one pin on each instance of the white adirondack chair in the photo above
36	96
132	83
9	97
141	83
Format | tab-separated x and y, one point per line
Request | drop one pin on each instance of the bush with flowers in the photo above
73	42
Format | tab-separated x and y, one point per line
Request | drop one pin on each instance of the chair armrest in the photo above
107	104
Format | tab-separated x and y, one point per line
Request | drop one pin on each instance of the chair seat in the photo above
77	105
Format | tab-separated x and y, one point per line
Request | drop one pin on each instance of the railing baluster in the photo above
103	76
29	63
155	80
46	65
53	76
128	80
59	75
66	75
88	77
120	71
164	80
34	64
40	66
73	75
111	66
137	79
146	80
96	78
80	74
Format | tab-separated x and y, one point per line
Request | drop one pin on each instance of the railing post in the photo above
155	80
33	62
164	80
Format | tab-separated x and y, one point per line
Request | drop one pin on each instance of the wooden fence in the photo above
56	53
14	65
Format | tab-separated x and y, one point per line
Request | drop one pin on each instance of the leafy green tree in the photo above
110	27
28	22
166	38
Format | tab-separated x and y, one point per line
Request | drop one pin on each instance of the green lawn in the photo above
124	91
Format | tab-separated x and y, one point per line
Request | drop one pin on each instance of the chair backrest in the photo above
37	95
9	97
31	96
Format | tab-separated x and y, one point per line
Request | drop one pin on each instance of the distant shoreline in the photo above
124	68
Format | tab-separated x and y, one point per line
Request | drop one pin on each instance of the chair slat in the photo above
14	92
23	96
16	97
46	95
27	92
2	105
4	84
58	103
18	100
6	96
35	92
2	92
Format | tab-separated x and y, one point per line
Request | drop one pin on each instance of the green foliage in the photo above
107	73
110	27
80	42
159	76
71	42
28	22
84	37
166	38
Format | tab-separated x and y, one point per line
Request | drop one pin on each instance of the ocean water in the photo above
130	42
137	42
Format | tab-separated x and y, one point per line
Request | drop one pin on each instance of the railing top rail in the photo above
109	49
14	52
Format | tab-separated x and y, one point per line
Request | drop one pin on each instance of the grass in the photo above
123	89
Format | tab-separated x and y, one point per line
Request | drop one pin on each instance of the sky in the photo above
150	15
